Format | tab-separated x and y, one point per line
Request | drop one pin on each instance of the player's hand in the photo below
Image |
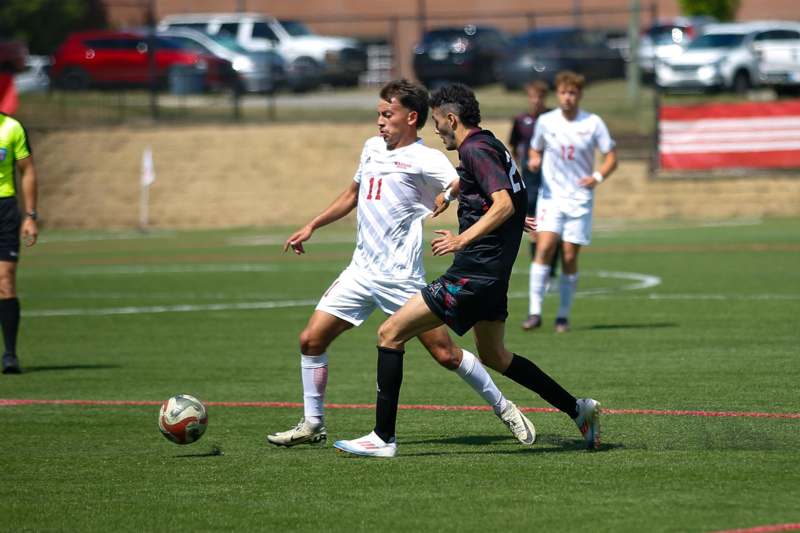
530	224
296	240
532	165
30	231
587	181
441	205
447	243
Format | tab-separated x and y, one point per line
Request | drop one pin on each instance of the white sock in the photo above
473	372
567	286
537	284
314	371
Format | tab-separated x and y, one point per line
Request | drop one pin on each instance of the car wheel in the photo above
741	82
304	75
74	79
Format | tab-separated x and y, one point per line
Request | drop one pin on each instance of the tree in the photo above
43	24
719	9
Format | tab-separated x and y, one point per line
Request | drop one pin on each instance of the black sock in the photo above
9	319
531	376
390	377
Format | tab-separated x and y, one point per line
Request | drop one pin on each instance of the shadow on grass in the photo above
47	368
654	325
544	444
215	451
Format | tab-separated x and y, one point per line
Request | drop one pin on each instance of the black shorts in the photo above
10	222
461	300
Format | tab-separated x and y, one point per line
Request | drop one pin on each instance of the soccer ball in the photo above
183	419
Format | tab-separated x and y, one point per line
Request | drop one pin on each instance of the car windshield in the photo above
228	42
167	43
295	28
717	40
543	38
442	35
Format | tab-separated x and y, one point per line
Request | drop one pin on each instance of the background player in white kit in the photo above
399	182
564	147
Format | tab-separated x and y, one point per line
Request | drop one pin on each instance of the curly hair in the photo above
459	100
410	95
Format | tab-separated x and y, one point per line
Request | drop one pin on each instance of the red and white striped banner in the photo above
749	135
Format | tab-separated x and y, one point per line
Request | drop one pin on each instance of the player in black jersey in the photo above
472	294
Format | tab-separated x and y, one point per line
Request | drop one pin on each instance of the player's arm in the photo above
534	159
30	230
339	208
608	165
501	209
444	198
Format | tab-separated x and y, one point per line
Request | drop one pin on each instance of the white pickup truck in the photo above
336	60
779	62
733	56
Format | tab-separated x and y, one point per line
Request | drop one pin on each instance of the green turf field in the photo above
670	317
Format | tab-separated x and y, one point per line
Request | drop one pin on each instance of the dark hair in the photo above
410	95
539	86
459	100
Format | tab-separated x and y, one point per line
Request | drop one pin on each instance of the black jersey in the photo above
486	167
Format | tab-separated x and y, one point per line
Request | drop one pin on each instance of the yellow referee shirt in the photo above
13	147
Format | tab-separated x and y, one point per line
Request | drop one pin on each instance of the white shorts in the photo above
573	225
355	295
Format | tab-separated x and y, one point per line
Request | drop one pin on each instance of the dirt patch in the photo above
282	175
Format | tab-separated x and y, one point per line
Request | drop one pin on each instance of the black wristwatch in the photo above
33	214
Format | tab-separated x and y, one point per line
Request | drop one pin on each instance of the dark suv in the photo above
465	54
540	54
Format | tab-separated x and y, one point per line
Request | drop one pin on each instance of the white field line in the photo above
157	309
639	281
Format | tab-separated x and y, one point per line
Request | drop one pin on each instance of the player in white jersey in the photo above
399	182
564	148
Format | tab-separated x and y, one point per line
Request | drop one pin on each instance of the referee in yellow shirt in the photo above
15	155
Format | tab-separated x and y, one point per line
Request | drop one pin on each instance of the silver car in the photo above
258	72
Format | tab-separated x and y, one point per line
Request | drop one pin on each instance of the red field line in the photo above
410	407
764	529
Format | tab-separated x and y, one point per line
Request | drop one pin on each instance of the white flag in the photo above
148	172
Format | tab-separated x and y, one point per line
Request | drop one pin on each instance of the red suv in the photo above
121	58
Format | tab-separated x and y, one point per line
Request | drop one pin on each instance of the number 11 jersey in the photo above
397	190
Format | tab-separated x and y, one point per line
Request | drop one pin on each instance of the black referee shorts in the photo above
10	222
460	300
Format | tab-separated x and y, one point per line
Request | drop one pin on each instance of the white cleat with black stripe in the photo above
522	428
303	433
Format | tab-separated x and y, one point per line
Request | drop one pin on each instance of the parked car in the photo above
666	39
309	57
103	58
13	54
542	53
724	57
466	54
256	71
778	53
34	78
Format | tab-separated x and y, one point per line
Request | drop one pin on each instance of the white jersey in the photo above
569	149
397	190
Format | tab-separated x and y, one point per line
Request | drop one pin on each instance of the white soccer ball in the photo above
183	419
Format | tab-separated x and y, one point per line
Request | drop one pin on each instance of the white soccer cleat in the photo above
369	446
588	421
303	433
522	428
